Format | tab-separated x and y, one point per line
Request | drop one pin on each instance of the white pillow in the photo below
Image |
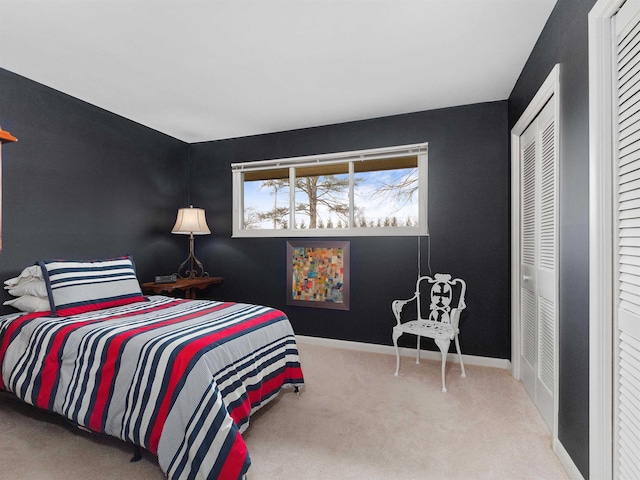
29	274
35	288
29	303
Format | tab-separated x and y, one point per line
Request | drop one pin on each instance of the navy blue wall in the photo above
468	221
84	183
565	41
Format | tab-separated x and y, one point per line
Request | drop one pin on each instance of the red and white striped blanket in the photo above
177	377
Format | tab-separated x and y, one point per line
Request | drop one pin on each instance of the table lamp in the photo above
191	221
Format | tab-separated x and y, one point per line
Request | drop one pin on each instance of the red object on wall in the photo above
6	136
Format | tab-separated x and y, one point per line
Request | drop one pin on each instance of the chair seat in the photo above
427	328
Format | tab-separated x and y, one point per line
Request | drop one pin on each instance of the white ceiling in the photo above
208	70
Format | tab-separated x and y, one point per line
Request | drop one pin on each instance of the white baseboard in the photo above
404	351
567	462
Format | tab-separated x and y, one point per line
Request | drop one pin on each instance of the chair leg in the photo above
460	357
396	336
417	349
443	345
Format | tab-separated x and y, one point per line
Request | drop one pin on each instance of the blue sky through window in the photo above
375	203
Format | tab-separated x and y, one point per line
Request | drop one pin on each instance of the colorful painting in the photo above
318	274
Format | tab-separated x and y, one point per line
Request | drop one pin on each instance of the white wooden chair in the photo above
441	324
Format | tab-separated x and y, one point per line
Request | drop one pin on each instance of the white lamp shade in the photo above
191	220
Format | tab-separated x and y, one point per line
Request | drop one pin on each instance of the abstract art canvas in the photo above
318	274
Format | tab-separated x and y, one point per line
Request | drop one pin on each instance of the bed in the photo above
179	378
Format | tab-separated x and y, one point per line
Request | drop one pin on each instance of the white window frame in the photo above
419	150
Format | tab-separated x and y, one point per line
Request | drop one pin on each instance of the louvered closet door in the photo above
538	253
627	285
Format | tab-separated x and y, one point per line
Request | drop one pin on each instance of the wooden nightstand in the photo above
186	285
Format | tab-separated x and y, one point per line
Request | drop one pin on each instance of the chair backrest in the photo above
444	294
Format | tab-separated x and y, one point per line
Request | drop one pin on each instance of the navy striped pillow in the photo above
82	286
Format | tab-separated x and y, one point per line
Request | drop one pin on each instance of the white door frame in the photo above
550	87
601	245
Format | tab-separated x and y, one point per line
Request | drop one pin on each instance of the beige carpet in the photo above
353	420
35	445
356	420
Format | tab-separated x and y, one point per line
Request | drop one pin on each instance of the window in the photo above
368	192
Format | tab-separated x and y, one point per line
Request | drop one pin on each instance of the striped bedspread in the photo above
177	377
